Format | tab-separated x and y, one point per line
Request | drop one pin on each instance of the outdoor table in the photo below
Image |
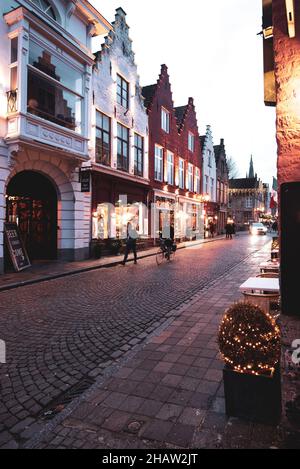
269	266
254	284
262	292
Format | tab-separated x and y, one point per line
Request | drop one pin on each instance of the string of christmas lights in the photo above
249	340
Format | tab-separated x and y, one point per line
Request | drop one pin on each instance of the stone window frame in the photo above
124	143
191	142
138	154
181	169
48	9
158	175
103	131
122	91
165	120
170	168
190	177
197	180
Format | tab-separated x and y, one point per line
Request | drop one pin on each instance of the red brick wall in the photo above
162	98
287	72
190	125
175	142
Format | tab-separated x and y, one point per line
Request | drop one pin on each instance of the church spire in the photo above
251	169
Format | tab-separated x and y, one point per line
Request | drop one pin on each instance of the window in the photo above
226	193
248	202
212	186
45	6
138	155
222	193
197	180
14	64
191	141
206	184
190	178
218	192
170	168
209	159
12	93
122	92
123	148
181	173
55	89
14	50
102	139
159	156
165	120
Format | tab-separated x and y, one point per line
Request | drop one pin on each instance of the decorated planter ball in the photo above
249	340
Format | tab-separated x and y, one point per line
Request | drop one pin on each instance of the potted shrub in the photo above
249	341
115	246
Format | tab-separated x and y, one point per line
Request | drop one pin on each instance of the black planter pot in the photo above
254	398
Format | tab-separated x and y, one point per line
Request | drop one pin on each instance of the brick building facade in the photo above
209	179
119	150
281	32
174	161
222	185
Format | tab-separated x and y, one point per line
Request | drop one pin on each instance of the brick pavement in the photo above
42	271
169	393
67	332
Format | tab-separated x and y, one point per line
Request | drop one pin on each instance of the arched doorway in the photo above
31	202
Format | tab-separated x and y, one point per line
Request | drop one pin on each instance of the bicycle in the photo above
166	251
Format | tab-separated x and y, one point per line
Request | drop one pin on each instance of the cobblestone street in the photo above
66	332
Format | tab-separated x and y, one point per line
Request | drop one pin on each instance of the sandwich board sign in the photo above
16	247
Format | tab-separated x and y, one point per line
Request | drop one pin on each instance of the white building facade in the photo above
209	180
209	173
45	120
119	154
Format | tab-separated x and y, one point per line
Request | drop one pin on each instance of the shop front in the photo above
44	203
31	203
181	213
115	203
163	215
211	214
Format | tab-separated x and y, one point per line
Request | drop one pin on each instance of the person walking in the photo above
212	229
132	236
275	226
227	229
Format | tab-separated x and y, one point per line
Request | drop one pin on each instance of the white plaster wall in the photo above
211	172
114	61
4	71
73	205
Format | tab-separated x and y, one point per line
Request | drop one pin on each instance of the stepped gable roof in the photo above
149	92
244	183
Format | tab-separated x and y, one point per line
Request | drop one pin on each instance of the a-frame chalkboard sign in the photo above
16	247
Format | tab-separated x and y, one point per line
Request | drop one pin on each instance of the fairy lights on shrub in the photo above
249	340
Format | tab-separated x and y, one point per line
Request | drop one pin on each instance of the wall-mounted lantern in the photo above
290	13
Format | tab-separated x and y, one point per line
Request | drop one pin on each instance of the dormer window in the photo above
46	7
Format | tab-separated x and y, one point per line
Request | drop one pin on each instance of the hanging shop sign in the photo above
85	180
16	247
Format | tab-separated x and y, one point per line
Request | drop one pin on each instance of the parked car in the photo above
258	229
